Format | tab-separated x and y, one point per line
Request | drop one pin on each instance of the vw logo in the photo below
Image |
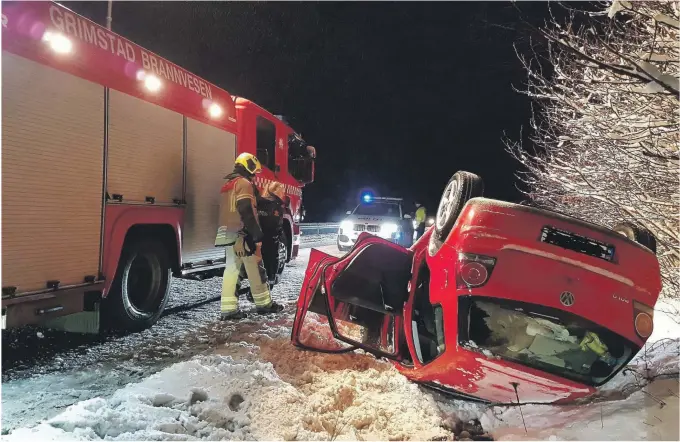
567	299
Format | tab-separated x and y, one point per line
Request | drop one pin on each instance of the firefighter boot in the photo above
233	316
272	308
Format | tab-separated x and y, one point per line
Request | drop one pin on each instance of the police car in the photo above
380	216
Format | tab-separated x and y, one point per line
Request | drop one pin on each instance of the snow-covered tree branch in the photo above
605	121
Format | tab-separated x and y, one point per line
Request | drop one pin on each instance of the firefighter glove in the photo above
240	247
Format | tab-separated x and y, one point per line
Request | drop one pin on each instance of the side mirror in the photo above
349	212
407	216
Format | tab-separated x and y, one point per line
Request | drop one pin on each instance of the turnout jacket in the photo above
238	210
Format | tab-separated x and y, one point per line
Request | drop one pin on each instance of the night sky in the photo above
395	96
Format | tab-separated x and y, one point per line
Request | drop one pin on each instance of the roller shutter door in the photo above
210	156
145	150
52	154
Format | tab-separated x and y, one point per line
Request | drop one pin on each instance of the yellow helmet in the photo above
250	162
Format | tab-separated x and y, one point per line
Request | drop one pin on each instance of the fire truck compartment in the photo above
52	151
210	156
145	150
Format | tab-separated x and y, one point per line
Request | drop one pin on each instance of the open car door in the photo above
356	301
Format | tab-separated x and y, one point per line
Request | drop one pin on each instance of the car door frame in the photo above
324	273
309	288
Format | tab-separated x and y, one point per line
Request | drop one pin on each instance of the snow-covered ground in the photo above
192	377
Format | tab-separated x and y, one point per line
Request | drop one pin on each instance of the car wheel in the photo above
462	187
141	289
638	234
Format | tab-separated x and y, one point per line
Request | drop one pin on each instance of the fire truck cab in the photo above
113	158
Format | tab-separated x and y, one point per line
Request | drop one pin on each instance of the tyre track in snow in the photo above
46	371
34	346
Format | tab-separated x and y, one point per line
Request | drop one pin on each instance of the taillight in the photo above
643	318
473	270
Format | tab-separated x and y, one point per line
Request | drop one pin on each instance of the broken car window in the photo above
550	340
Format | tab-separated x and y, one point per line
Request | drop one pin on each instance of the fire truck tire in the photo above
141	289
283	252
462	187
638	234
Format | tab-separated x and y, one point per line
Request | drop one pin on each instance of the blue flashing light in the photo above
367	197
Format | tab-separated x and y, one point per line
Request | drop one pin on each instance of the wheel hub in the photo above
143	281
446	204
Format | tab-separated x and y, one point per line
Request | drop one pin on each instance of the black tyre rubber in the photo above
462	187
638	234
283	252
141	289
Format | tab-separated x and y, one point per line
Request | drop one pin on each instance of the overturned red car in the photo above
497	302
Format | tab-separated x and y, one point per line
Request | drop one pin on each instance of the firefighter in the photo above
240	233
421	215
270	212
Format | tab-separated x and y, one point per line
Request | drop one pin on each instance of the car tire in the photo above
462	187
638	234
141	288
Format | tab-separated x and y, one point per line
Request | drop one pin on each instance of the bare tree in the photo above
605	121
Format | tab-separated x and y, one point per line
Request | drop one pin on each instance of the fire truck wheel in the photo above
462	187
638	234
283	252
141	289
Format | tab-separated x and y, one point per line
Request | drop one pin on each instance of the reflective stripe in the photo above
243	197
262	299
228	304
228	301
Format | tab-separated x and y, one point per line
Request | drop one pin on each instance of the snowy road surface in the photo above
191	377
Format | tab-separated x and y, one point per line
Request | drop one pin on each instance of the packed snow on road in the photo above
191	377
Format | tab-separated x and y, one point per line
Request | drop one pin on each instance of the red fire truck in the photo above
112	161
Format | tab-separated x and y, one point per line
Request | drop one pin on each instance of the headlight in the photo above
430	221
347	225
388	229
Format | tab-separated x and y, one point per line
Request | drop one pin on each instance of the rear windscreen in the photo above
543	338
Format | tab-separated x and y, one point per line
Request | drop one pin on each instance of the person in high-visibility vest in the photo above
239	232
421	214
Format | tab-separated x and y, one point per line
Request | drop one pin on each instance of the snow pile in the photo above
260	387
651	414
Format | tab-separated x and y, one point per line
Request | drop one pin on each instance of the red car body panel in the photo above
527	270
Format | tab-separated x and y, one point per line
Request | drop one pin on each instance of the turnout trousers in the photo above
257	277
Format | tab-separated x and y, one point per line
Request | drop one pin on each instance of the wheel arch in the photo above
126	224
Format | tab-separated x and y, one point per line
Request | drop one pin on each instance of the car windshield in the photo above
544	338
377	209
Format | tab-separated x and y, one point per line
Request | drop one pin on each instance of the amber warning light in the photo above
643	318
